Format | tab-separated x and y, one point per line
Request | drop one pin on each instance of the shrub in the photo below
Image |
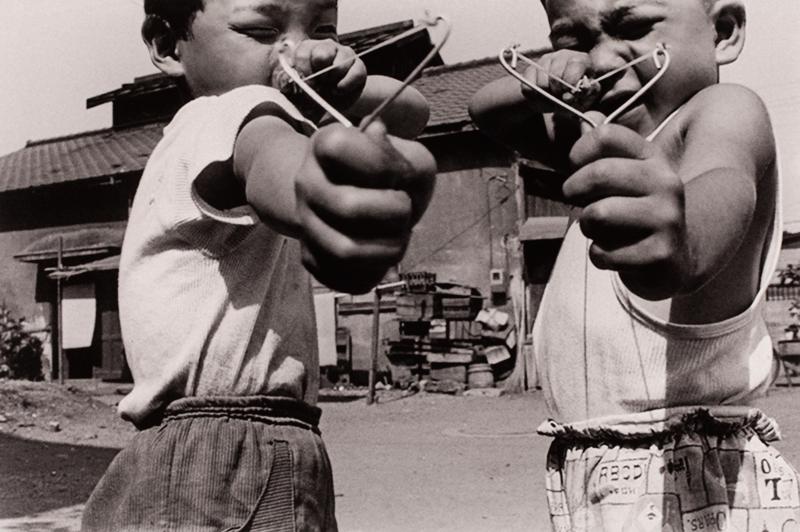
790	275
20	351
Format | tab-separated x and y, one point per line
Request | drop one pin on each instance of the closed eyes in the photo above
270	35
632	28
265	34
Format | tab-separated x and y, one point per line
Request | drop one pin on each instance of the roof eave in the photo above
48	255
449	128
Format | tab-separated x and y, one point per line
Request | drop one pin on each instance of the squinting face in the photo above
614	32
236	42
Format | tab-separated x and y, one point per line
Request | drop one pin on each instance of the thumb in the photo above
596	116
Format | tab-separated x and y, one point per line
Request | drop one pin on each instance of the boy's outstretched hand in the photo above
633	209
358	198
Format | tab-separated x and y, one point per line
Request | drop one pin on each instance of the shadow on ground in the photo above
38	476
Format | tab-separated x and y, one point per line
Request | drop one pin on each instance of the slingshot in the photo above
302	82
511	56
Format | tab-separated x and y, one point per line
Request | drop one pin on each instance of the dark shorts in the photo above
221	464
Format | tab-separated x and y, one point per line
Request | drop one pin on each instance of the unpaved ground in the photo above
424	463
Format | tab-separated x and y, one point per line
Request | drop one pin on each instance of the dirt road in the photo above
424	463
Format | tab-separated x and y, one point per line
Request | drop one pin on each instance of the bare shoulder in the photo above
728	125
726	97
730	109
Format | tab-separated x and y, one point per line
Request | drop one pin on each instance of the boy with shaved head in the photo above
247	186
650	338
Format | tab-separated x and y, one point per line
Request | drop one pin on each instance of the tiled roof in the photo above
450	88
113	152
89	155
82	242
367	38
141	85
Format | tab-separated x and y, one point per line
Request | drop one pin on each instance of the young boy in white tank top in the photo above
649	339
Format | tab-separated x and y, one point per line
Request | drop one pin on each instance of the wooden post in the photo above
373	359
60	312
376	334
521	200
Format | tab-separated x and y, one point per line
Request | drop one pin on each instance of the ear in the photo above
162	43
729	21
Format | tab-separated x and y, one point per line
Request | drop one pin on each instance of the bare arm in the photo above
500	110
671	218
350	197
519	120
729	147
268	156
405	117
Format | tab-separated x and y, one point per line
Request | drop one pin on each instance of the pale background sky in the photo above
57	53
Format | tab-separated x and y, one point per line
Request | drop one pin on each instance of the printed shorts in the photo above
684	469
241	464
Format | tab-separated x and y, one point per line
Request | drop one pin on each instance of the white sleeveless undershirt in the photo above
599	354
212	302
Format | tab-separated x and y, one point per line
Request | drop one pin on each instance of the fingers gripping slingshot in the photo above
302	82
510	58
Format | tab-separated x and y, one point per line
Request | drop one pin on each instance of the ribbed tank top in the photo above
599	354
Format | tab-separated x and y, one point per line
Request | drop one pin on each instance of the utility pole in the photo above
376	334
60	312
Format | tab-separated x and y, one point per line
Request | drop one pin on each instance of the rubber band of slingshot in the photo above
314	95
537	66
444	21
510	68
655	55
399	37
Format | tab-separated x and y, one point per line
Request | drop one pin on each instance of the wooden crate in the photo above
414	307
461	308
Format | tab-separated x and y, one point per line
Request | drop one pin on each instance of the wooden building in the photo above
74	192
483	228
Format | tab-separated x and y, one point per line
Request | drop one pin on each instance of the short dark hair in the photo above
178	14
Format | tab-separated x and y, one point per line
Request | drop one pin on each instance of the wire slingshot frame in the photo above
511	56
302	82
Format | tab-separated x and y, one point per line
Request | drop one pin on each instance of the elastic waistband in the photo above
664	423
262	408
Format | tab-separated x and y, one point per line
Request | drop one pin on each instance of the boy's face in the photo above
613	32
236	42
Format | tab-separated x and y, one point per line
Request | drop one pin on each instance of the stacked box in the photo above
461	307
414	307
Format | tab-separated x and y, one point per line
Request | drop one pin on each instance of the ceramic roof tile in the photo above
88	155
449	90
112	152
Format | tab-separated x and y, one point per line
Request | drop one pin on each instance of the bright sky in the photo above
58	53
